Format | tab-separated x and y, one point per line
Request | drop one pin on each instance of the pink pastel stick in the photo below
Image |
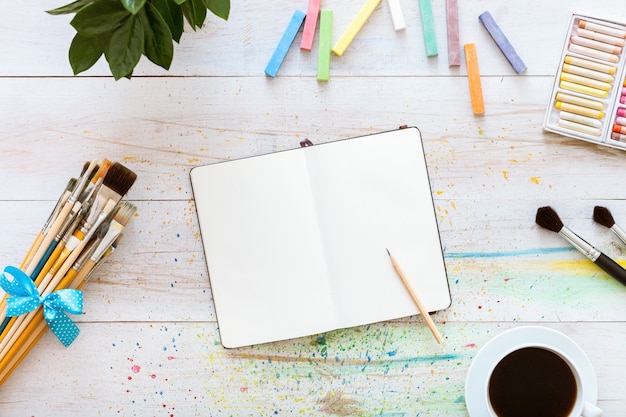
308	33
621	112
454	44
617	136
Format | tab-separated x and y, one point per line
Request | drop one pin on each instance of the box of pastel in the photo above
82	231
588	100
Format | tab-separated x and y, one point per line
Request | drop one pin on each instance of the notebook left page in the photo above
259	230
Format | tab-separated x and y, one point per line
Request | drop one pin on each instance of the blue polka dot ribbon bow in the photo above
25	298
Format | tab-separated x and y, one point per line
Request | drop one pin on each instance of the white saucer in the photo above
476	381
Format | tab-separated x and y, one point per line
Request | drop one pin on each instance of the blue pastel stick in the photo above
503	43
285	43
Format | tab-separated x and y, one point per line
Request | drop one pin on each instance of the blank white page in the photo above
373	193
260	236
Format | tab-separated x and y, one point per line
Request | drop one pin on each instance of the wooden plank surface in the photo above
149	343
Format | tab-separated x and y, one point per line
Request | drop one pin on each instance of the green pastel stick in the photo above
428	27
325	44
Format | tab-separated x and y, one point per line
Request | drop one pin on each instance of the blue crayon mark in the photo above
504	254
285	43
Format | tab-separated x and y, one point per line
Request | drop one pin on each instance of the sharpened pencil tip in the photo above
388	253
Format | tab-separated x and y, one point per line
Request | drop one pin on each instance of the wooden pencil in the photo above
416	299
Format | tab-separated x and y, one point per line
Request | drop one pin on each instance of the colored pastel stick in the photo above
583	89
454	44
355	26
589	121
566	124
590	34
592	65
585	102
396	15
584	72
600	46
618	33
285	43
589	82
473	76
326	37
619	129
583	111
428	27
502	41
618	136
593	53
310	23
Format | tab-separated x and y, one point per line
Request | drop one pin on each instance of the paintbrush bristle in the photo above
547	218
603	216
125	212
119	178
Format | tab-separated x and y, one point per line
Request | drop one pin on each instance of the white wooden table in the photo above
149	344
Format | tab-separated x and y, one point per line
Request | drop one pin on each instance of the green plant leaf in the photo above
133	6
100	17
125	48
220	8
179	2
158	46
195	13
85	52
70	8
172	15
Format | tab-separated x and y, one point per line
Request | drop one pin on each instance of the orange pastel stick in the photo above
473	75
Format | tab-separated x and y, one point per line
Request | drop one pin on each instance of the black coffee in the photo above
532	382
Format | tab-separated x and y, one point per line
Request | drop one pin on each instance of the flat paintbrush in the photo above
547	218
603	216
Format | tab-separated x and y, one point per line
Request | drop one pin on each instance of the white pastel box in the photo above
588	99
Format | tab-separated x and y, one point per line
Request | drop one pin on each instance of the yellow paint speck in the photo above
535	180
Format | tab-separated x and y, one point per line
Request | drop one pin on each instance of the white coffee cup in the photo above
580	406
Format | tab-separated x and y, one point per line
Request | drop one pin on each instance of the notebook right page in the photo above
373	193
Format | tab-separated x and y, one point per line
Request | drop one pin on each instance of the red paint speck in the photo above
153	376
170	358
471	345
507	279
135	369
480	307
130	377
243	389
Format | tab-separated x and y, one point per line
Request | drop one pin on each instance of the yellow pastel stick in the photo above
583	111
568	98
583	89
592	65
353	29
588	82
584	72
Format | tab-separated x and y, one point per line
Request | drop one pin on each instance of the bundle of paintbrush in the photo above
83	229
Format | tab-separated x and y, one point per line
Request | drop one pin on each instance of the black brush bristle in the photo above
547	218
603	216
119	178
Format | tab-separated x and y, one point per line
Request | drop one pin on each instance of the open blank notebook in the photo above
295	241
